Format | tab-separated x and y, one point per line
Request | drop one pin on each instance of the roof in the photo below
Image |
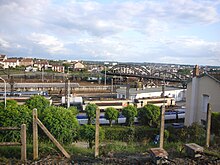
146	90
11	60
215	77
26	60
41	62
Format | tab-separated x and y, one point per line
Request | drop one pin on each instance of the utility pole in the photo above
67	92
105	75
162	117
97	133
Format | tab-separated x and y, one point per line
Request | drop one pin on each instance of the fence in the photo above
37	122
22	143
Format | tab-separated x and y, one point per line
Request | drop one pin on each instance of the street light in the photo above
105	75
5	89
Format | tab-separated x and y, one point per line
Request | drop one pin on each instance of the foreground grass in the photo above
107	148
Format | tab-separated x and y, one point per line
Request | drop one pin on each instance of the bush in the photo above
215	123
91	112
129	112
111	114
87	133
38	102
129	134
194	133
61	123
149	115
14	116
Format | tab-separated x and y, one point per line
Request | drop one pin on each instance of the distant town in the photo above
184	92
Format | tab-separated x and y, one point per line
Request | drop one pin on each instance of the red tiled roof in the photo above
11	60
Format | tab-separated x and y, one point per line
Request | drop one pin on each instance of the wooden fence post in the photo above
97	133
52	138
208	124
35	135
23	143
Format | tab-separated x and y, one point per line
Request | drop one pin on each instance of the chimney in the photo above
196	71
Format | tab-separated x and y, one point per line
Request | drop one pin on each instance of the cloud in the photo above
50	43
4	44
138	30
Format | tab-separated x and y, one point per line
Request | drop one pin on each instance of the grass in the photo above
175	150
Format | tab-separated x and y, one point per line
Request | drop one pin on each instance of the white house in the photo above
78	66
11	62
203	89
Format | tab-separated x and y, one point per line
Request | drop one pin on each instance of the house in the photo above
203	89
11	63
58	68
26	62
41	64
78	66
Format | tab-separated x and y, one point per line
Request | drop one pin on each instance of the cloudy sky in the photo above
165	31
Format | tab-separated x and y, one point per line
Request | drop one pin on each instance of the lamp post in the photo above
105	75
5	89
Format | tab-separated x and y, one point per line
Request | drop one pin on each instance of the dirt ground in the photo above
114	159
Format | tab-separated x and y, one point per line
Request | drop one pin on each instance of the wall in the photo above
194	102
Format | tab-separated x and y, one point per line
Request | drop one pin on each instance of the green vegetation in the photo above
38	102
61	123
184	71
215	123
129	112
13	116
91	112
87	133
111	114
149	115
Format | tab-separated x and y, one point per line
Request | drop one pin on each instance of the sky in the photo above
158	31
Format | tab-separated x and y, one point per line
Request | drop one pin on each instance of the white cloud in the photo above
50	43
4	44
142	30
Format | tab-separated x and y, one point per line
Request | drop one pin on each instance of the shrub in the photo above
87	133
14	116
38	102
129	112
149	115
61	122
111	114
129	134
215	123
91	112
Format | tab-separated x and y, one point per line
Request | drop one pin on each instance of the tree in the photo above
111	114
61	122
87	132
38	102
129	112
149	115
91	112
184	71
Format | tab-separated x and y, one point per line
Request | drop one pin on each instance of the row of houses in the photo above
34	65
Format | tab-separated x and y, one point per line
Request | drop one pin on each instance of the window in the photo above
205	101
